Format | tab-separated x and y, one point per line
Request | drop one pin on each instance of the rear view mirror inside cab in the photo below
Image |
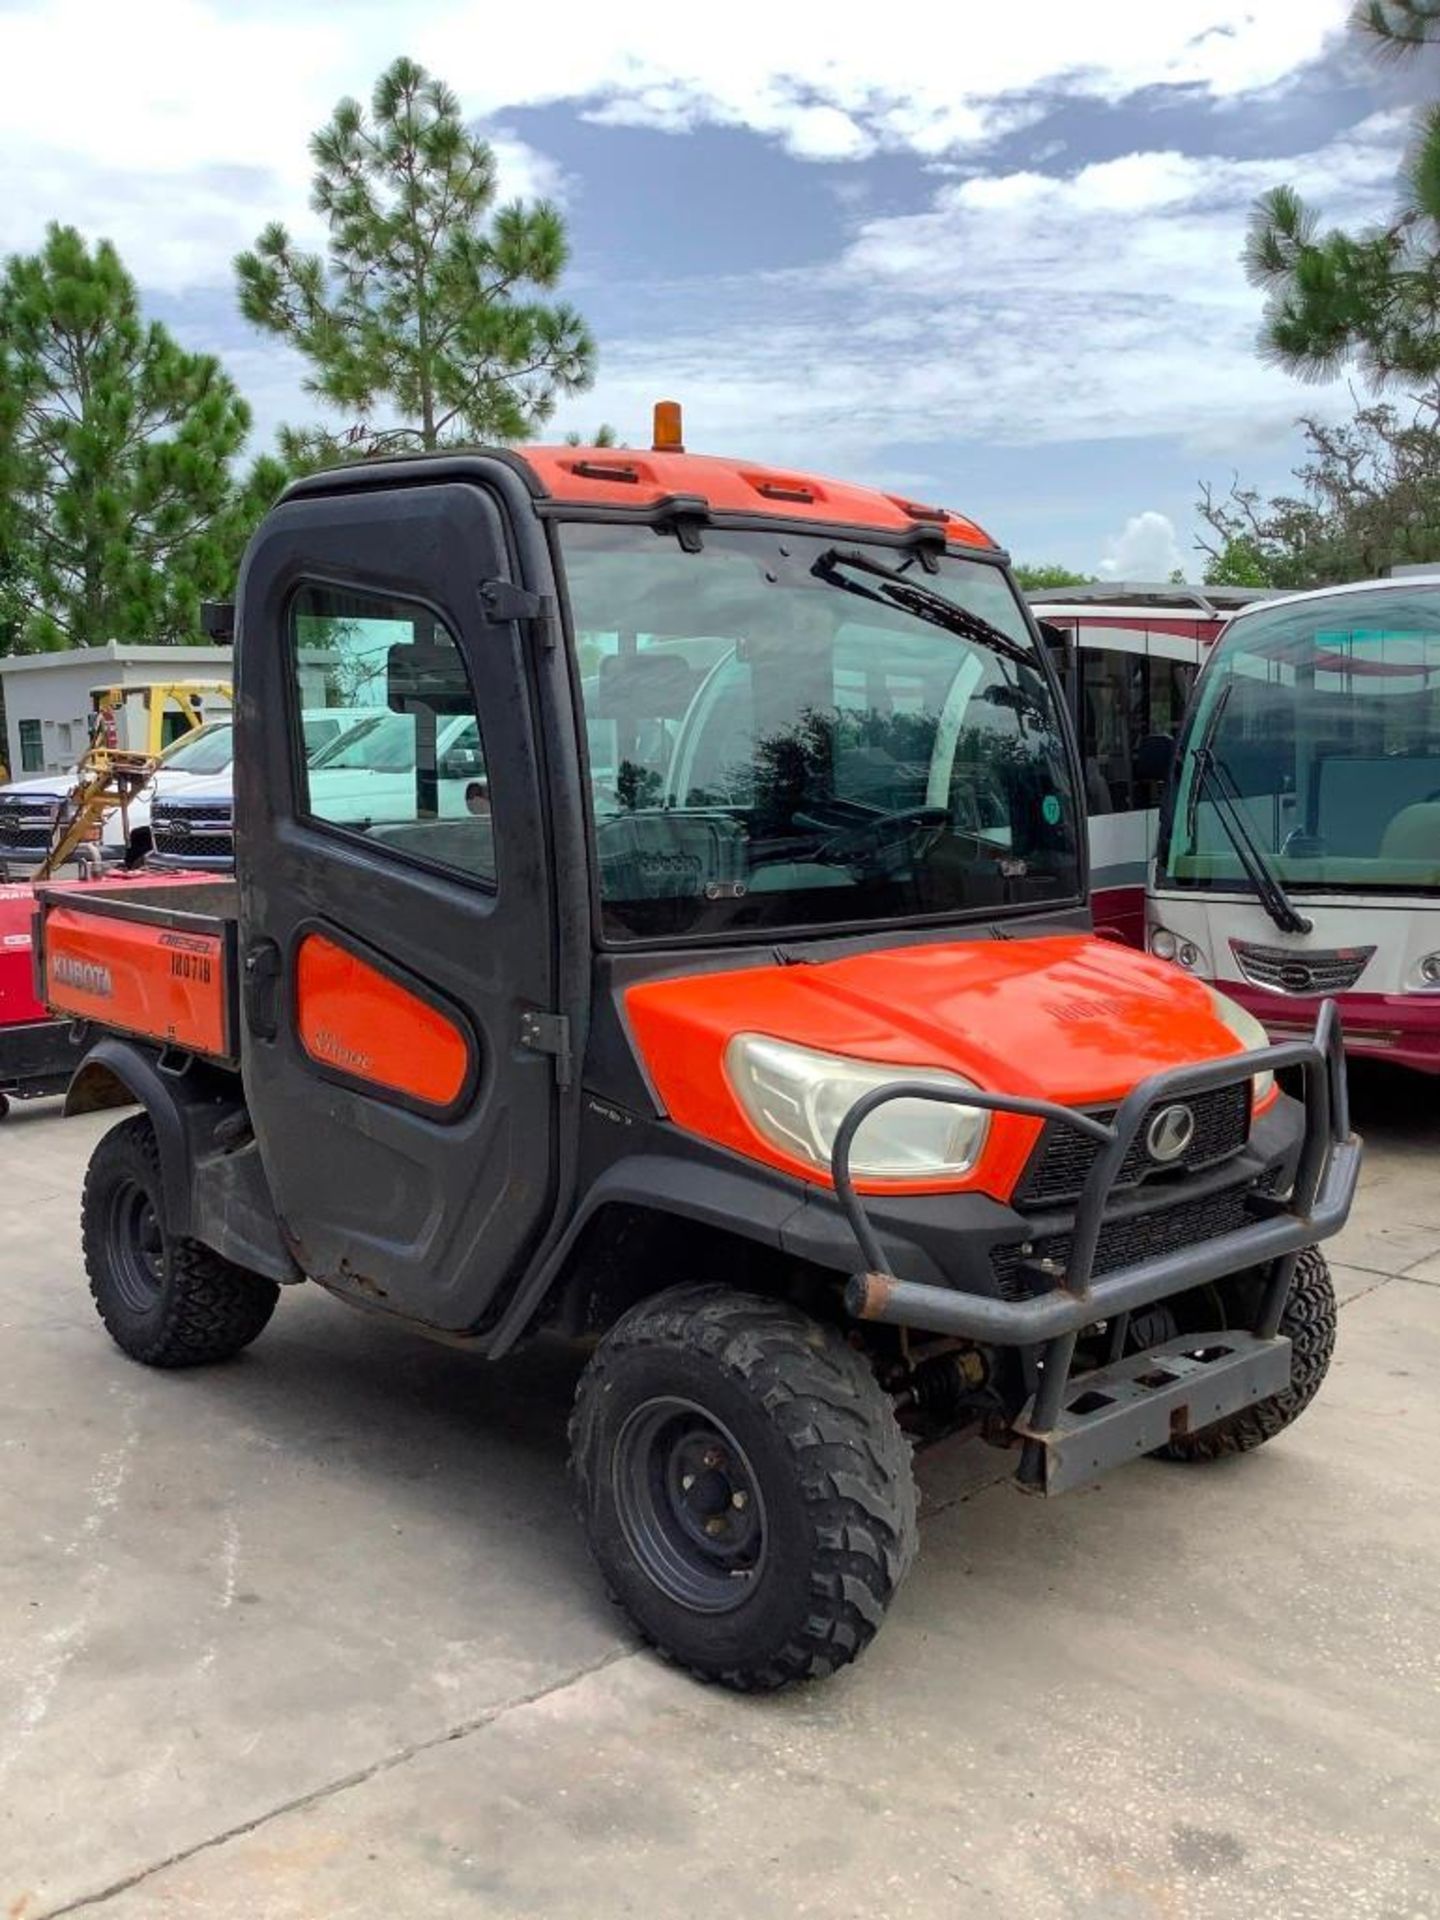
426	674
644	686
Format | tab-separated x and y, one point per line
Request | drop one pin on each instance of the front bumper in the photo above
1244	1365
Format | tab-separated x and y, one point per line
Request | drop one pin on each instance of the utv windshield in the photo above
786	731
1319	724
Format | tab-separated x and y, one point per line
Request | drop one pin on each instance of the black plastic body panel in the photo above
215	1186
933	1240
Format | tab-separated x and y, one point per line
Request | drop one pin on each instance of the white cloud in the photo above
178	127
1023	309
1146	550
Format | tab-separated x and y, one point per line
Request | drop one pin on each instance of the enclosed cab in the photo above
743	1018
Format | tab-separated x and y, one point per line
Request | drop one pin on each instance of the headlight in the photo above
1247	1030
1170	946
797	1100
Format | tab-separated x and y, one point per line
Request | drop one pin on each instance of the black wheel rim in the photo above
690	1505
137	1247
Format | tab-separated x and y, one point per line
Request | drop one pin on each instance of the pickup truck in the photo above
364	769
755	1036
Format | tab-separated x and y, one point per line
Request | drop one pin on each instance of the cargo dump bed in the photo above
156	961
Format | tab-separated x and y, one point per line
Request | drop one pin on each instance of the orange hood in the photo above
1067	1018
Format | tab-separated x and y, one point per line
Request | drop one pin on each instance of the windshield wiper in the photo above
1212	773
1225	795
909	595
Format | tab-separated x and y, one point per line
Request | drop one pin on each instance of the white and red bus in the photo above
1300	857
1131	655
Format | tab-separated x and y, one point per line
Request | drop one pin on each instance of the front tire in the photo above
1309	1321
744	1486
167	1301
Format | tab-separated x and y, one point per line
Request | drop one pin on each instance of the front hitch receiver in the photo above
1070	1436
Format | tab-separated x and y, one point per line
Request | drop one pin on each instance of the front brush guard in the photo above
1116	1424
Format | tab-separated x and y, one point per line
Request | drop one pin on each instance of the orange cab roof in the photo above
614	476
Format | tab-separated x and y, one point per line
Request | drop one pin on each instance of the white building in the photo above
49	697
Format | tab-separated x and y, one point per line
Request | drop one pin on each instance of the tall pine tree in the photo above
119	512
423	326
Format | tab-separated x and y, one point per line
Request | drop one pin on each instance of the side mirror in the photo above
462	763
1154	757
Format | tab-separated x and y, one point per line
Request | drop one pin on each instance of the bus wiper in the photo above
894	589
1225	795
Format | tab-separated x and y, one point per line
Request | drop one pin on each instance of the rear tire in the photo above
1309	1320
167	1301
744	1486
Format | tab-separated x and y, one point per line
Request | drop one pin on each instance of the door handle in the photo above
262	988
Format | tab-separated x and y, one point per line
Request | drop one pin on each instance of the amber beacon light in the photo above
669	428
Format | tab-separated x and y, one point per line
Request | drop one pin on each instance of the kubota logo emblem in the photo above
1169	1134
86	976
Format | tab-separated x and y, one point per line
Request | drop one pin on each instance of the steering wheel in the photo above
884	844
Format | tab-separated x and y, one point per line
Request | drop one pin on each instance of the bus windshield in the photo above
1317	722
786	731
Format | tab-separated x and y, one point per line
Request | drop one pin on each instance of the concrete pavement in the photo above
313	1634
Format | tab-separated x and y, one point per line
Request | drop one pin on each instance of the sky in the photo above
988	257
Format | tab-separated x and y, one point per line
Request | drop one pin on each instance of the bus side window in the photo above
1168	683
1112	724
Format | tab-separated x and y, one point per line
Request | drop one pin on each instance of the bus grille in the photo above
1284	970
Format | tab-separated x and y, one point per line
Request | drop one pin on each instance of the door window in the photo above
1125	696
405	767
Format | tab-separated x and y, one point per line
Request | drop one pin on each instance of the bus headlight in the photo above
797	1098
1248	1031
1170	946
1430	970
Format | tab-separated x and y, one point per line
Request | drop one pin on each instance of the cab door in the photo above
395	944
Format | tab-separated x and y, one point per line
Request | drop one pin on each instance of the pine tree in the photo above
1370	298
119	511
425	309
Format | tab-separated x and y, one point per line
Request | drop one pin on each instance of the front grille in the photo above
1063	1158
202	831
1127	1241
1307	970
26	826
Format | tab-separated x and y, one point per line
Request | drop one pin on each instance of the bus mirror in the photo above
1059	643
1154	757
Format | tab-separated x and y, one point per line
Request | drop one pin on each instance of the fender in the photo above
689	1180
215	1189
